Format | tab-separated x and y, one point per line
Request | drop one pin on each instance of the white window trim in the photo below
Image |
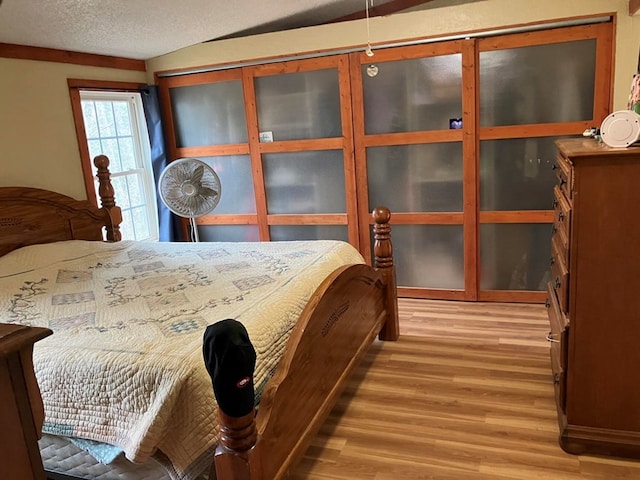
142	150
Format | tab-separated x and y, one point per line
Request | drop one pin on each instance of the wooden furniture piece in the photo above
21	410
349	309
32	215
593	298
283	426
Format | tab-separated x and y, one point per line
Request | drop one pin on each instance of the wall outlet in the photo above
266	137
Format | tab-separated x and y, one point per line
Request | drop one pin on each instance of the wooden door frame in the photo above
354	143
603	33
255	149
465	136
473	134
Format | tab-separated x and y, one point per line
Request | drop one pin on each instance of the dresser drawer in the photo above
560	278
562	213
558	322
558	337
559	378
559	250
564	172
560	237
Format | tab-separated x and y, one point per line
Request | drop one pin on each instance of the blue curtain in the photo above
169	224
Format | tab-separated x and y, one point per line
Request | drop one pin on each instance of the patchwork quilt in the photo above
124	365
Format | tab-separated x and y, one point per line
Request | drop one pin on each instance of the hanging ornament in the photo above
368	50
372	70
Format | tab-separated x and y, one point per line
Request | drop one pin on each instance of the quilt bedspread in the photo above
124	365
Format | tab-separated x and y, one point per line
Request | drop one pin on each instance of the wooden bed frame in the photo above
349	309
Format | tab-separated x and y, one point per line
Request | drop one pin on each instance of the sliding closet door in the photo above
301	135
414	143
456	138
206	119
533	89
280	138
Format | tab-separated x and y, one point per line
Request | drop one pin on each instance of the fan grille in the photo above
189	188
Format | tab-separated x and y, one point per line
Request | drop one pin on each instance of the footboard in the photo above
341	320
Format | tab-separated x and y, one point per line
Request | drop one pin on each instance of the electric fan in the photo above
189	188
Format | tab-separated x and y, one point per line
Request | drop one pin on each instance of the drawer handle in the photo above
560	216
555	203
550	338
547	303
562	182
556	378
552	260
557	282
554	229
554	166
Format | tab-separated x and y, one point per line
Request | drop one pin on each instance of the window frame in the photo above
96	89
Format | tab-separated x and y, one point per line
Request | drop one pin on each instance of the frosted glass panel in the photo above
429	256
305	182
309	232
229	233
538	84
514	256
416	178
210	114
517	174
413	95
237	184
301	105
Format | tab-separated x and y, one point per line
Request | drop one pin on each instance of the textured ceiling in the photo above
142	29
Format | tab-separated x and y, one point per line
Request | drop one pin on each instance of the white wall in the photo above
480	15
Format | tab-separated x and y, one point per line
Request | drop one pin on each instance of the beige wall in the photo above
38	145
480	15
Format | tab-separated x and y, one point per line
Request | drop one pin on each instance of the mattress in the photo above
124	365
60	455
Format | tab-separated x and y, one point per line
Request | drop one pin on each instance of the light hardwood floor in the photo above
466	393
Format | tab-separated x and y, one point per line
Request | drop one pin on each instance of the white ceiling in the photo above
143	29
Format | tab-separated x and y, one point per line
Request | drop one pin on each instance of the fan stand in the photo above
194	230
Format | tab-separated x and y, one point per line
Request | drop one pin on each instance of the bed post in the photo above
238	437
383	262
107	198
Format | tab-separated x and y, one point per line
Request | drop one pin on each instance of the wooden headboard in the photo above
31	215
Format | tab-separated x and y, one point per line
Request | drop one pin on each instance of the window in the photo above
114	126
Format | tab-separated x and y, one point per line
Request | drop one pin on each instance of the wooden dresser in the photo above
21	410
594	298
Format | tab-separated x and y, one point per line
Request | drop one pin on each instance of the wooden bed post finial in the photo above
238	436
383	262
107	198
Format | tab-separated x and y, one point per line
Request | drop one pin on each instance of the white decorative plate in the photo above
621	128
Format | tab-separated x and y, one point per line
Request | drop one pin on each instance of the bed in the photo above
333	315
